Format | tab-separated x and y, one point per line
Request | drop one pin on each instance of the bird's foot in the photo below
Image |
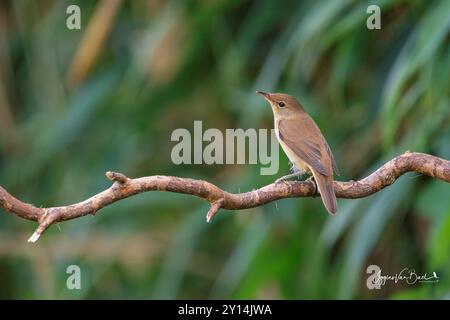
313	181
287	177
282	180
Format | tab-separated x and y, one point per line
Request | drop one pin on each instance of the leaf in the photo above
439	245
420	47
364	236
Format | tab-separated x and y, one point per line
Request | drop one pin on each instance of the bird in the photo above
304	145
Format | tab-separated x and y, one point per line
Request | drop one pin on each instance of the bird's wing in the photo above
305	147
335	167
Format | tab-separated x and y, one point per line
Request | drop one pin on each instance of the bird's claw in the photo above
311	178
281	180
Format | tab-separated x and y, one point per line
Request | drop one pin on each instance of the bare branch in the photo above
124	187
215	207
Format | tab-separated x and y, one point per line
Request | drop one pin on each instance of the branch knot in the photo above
117	177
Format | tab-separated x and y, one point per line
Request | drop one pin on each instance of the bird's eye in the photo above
281	104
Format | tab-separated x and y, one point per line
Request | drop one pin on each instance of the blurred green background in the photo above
76	103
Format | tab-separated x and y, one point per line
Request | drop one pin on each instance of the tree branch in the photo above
124	187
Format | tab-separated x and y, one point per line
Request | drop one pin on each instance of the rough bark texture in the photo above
124	187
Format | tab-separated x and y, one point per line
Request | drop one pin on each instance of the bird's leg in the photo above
298	173
289	176
311	178
295	172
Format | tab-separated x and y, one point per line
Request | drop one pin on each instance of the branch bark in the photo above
124	187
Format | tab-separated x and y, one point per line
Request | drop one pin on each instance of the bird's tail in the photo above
325	185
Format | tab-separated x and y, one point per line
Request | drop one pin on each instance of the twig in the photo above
124	187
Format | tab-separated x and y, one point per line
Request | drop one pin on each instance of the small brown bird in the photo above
304	144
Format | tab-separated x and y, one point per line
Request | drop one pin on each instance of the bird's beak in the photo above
264	94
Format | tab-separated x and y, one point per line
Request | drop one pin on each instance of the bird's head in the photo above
282	104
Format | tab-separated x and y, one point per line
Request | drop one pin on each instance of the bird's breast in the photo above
293	157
